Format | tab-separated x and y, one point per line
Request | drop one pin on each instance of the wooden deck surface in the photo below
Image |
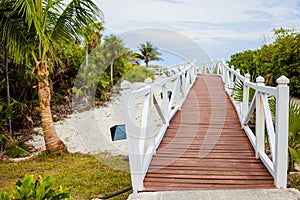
205	147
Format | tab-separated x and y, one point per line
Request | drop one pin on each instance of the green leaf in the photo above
294	154
4	196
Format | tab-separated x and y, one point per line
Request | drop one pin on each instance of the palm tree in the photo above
113	47
53	24
148	52
92	38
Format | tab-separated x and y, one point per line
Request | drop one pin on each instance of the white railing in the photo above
163	98
169	70
208	68
277	162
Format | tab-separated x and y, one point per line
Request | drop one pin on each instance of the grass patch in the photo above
84	175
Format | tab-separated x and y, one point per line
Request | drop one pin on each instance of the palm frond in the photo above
14	33
77	15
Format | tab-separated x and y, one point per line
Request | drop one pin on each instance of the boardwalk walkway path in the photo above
205	146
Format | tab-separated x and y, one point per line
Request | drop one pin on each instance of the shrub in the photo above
16	149
39	189
138	74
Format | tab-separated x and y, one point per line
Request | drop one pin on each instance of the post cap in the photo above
125	85
247	75
260	79
283	80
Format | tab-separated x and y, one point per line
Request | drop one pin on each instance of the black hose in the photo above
117	193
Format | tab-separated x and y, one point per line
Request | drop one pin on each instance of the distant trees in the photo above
148	52
282	57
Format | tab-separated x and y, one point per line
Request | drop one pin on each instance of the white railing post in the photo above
282	128
245	105
165	100
146	120
132	138
260	120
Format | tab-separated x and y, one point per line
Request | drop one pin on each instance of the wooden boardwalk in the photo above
205	147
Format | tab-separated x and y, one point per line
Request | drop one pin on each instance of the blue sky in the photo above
221	28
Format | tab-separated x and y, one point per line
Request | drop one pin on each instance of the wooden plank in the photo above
161	172
185	186
208	176
210	181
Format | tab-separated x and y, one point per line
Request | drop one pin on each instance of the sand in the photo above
89	131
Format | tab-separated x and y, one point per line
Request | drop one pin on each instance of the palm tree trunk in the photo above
52	141
112	72
86	55
7	87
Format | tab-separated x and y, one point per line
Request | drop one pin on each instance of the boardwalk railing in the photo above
259	109
168	71
162	99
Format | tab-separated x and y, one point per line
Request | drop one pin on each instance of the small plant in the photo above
16	149
294	131
39	189
4	196
237	94
294	134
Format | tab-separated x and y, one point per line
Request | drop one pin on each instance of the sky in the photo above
220	28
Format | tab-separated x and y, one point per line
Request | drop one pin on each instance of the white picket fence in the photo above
142	140
277	137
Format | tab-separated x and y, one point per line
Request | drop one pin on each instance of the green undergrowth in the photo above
294	180
86	176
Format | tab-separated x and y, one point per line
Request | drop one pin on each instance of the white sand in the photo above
89	131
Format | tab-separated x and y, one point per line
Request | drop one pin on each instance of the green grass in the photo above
86	176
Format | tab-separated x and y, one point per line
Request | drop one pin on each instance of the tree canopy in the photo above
282	57
148	52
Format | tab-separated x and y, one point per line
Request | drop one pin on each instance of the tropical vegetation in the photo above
38	189
53	54
282	57
43	26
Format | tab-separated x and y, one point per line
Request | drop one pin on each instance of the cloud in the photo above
172	1
211	23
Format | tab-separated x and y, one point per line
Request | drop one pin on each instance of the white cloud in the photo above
210	22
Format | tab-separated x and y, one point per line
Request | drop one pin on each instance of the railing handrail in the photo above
278	139
141	144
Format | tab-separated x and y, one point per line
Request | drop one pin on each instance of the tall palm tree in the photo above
92	38
113	47
53	24
148	52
